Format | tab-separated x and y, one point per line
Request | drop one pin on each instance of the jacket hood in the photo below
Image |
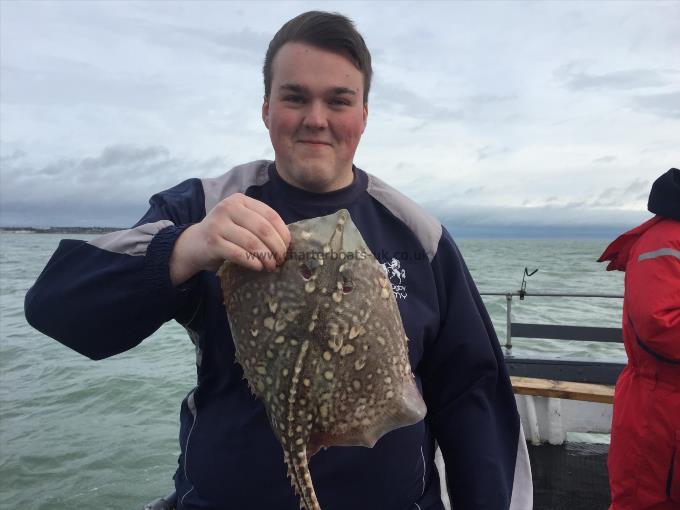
664	199
618	251
664	202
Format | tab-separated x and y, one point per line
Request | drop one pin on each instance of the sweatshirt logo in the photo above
397	275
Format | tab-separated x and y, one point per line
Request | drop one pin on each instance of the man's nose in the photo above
315	116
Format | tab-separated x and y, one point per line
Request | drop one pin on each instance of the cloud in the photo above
634	187
490	99
110	188
619	196
245	45
398	100
474	191
249	43
614	80
616	207
489	151
663	105
569	217
622	197
117	103
15	155
67	83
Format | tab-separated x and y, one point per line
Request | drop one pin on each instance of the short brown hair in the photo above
325	30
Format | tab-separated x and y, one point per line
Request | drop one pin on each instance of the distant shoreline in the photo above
57	230
460	232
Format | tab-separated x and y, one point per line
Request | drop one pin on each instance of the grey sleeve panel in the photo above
426	228
236	180
522	487
133	241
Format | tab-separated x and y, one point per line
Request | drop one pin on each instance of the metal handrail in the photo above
551	294
522	294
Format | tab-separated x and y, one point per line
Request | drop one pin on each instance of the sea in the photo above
76	433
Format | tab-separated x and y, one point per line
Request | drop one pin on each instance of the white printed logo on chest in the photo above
397	277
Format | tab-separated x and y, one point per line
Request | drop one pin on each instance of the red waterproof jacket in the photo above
644	455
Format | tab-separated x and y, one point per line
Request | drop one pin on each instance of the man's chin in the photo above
317	177
316	181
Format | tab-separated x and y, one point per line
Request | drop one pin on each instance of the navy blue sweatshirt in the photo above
105	296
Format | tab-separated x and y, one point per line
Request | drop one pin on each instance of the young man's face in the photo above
315	116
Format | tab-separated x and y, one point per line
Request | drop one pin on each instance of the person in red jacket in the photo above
644	454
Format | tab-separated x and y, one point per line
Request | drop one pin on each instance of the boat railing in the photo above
550	386
548	373
566	332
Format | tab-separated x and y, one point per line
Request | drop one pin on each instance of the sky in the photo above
501	118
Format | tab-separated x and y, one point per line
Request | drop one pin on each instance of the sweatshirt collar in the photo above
342	196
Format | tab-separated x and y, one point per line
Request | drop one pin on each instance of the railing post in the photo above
508	330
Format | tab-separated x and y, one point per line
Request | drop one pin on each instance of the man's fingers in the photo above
271	216
245	231
251	247
236	254
262	221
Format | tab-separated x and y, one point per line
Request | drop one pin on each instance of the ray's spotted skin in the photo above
322	344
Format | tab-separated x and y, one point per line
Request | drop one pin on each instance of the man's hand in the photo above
239	229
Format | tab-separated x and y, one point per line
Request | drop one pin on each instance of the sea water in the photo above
76	433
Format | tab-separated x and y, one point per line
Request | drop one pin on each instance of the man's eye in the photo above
294	99
339	102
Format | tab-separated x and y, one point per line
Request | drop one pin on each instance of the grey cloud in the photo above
474	191
399	100
637	185
535	217
244	40
490	99
67	82
617	80
16	154
615	196
244	46
575	204
124	155
608	193
663	105
104	189
144	22
606	208
488	151
605	159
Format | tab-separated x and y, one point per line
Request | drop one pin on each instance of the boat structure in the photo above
565	404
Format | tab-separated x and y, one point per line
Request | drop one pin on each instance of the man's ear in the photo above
365	116
265	111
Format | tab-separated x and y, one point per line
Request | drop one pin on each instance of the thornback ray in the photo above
322	345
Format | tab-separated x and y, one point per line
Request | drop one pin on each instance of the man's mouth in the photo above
314	142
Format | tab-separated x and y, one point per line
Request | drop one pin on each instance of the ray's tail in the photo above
300	479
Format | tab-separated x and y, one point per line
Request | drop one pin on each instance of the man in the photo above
104	297
644	454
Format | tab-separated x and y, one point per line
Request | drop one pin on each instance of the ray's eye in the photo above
347	284
305	272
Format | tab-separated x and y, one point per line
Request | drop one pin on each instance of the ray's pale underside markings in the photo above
322	344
